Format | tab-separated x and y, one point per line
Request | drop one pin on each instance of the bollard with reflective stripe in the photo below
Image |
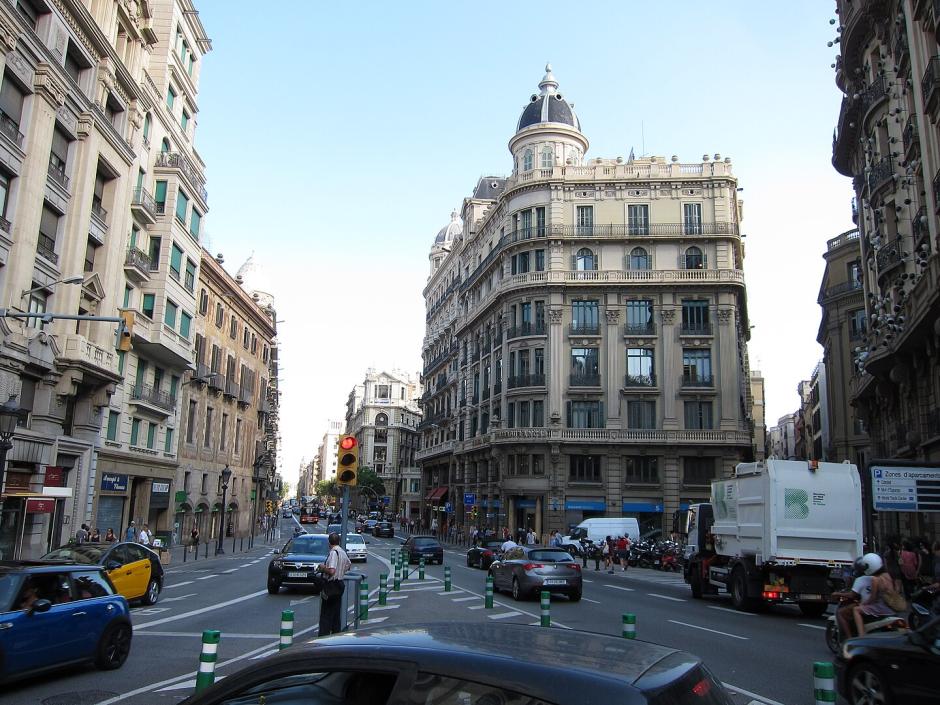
396	586
210	652
546	612
488	599
364	600
393	556
446	578
421	568
824	685
629	626
287	629
383	588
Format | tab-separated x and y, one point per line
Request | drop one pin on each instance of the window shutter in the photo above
574	261
568	414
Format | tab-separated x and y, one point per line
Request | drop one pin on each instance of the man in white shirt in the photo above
335	567
530	538
145	537
509	543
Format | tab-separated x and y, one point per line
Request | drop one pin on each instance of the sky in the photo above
338	138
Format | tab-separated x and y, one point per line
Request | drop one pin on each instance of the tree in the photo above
369	480
285	489
327	488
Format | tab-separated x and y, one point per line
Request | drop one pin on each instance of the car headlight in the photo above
277	564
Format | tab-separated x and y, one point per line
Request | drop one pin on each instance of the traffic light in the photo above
347	461
268	506
125	331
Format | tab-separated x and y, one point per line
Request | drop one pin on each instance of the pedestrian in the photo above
145	537
194	538
892	561
131	533
608	553
623	552
926	560
331	594
530	537
81	536
95	536
434	526
507	544
110	537
909	561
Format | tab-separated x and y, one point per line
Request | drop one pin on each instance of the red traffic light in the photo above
347	442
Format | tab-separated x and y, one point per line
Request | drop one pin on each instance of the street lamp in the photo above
9	417
226	476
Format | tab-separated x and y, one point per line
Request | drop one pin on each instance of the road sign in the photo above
469	499
386	500
905	489
448	507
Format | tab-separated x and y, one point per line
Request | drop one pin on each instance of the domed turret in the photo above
255	282
444	240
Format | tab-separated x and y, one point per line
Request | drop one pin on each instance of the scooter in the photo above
834	637
924	606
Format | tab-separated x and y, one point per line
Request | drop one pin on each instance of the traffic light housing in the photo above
268	506
125	331
347	461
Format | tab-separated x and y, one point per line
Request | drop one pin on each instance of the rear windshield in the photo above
427	542
85	554
550	556
316	545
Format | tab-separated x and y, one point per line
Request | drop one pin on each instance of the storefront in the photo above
525	513
649	515
112	499
129	490
577	509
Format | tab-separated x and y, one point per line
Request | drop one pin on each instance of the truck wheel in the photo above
695	581
739	597
813	609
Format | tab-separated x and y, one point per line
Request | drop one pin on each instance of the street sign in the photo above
905	489
386	500
448	507
469	499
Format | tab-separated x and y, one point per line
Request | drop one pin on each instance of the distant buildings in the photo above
326	454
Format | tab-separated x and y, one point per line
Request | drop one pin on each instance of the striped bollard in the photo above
546	612
405	567
421	568
383	588
396	586
207	657
393	556
488	600
824	687
629	626
446	578
287	629
364	600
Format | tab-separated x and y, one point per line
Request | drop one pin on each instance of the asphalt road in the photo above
765	657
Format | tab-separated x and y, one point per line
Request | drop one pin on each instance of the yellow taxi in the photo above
134	569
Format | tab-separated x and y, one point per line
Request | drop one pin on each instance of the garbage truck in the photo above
777	531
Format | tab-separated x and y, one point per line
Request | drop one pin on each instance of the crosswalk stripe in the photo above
505	615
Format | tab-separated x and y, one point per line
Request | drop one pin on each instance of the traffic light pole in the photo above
345	516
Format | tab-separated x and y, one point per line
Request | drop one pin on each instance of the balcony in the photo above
902	56
526	328
930	83
889	256
57	174
648	328
873	94
623	230
880	174
245	396
137	265
94	360
44	248
848	237
841	288
631	381
10	128
486	393
231	388
911	137
697	381
98	223
518	381
144	207
616	436
584	329
696	329
153	398
584	380
920	228
497	387
188	170
201	375
216	381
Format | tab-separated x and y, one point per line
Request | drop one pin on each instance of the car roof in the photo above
27	566
423	536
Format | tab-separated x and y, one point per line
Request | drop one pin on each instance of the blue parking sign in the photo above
469	499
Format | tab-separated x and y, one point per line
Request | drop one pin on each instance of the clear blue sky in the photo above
343	134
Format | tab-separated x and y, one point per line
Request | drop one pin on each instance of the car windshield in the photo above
550	556
426	542
85	554
355	538
8	585
309	544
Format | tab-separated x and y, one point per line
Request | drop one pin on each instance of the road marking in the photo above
230	570
186	582
732	611
476	607
383	607
373	620
302	600
588	599
176	599
585	580
184	684
452	592
149	610
742	691
260	656
246	565
203	610
464	599
665	597
423	587
198	635
206	577
618	587
504	615
813	626
706	629
398	597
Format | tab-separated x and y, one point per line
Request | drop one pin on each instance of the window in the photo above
238	435
698	415
639	316
695	317
639	259
185	324
151	434
38	301
638	219
223	432
182	204
233	327
692	218
640	368
195	222
383	391
4	197
190	281
539	361
540	221
114	111
168	441
215	363
254	351
696	366
584	317
219	316
147	305
540	260
547	160
176	261
585	414
585	261
203	302
184	120
855	274
525	227
156	245
169	315
585	220
191	422
148	124
246	337
527	160
28	9
11	105
122	357
584	366
90	247
264	354
524	419
114	419
48	234
135	431
159	196
857	324
640	470
584	468
170	98
207	438
641	414
164	146
693	258
538	413
698	471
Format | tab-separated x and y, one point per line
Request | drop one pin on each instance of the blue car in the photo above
58	614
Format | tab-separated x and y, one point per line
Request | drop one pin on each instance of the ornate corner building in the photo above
886	141
586	335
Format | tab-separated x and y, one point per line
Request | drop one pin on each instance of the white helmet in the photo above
869	564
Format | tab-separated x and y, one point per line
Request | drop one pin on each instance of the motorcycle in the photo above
670	562
834	636
924	606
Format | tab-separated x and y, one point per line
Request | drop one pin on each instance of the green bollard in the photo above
546	611
287	629
421	568
363	600
488	600
383	589
397	584
629	626
824	683
207	658
446	578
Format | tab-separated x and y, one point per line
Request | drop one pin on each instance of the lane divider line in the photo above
706	629
732	611
665	597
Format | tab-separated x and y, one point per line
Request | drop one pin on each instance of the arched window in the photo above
639	258
585	261
381	420
548	158
165	145
527	160
694	259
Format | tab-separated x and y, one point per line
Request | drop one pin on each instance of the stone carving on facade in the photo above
86	123
20	67
554	316
47	85
724	316
67	118
8	36
669	315
613	316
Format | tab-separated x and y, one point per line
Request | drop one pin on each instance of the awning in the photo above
593	505
649	507
436	495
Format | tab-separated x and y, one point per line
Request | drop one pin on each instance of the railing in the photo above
486	393
497	387
154	397
639	329
57	172
640	380
202	372
936	191
880	173
889	255
900	47
615	435
139	259
931	79
175	160
531	380
463	401
231	388
842	288
216	381
47	252
872	94
910	134
99	212
443	447
693	261
838	241
584	329
919	226
245	396
5	225
697	381
584	380
696	329
525	329
11	128
142	199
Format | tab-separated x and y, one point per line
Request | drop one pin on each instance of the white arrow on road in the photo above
181	597
301	601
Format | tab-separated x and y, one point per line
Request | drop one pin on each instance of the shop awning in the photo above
649	507
593	505
436	495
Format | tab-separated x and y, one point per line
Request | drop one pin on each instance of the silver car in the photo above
527	570
356	548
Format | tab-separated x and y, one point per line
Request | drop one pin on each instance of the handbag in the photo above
333	588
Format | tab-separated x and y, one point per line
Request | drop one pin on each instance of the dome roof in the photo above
548	106
256	281
447	234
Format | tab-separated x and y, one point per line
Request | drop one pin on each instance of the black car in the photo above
482	556
295	564
478	663
891	668
383	529
426	546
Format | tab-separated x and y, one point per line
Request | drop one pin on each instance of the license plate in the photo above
296	575
811	597
554	582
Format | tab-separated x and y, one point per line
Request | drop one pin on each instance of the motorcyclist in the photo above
864	596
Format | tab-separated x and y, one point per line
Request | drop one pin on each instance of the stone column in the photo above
538	517
556	364
728	382
672	485
612	368
671	368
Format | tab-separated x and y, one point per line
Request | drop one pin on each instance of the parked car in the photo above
335	529
134	569
287	513
383	529
427	546
478	663
891	669
356	548
527	570
56	614
367	526
295	564
482	556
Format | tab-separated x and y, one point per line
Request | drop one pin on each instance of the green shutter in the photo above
194	223
151	434
113	418
147	308
182	205
160	194
185	321
176	260
169	315
168	442
121	359
135	431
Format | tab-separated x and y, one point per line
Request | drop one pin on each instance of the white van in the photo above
600	528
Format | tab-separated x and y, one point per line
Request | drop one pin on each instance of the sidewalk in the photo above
180	555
